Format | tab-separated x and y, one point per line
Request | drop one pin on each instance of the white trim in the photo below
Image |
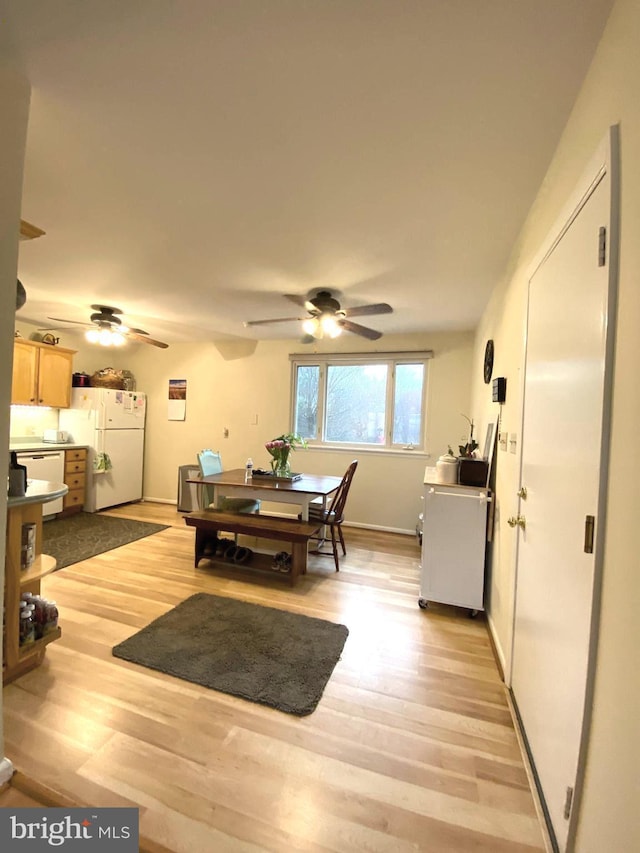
392	361
6	771
605	161
380	527
160	500
367	448
600	164
355	357
498	648
544	830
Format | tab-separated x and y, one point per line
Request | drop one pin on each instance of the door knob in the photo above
522	493
518	521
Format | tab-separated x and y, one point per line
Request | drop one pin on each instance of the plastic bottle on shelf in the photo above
27	626
248	469
50	617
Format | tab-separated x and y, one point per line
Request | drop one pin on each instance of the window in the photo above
376	400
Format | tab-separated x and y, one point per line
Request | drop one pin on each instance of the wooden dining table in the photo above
235	483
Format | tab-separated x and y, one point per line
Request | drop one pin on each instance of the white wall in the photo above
14	112
229	383
608	818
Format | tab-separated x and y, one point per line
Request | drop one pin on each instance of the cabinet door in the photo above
453	546
54	377
25	374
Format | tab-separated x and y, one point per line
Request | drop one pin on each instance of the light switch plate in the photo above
513	442
502	440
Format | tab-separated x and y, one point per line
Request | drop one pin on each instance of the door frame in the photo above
606	160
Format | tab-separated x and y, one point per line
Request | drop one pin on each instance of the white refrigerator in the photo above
454	540
111	424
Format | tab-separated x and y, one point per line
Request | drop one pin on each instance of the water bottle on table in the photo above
248	470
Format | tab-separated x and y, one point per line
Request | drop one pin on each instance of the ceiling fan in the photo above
106	328
326	317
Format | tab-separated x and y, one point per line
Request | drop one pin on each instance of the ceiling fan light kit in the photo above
327	318
105	337
323	326
106	329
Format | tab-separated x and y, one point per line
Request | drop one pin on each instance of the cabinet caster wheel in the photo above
423	603
473	614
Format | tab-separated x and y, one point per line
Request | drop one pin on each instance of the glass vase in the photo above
282	468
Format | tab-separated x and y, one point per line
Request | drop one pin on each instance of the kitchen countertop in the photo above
39	492
25	446
431	479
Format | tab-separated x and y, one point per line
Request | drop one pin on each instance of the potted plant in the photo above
472	471
467	450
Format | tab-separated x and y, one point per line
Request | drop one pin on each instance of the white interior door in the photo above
561	471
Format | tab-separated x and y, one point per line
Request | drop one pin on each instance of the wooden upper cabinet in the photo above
29	231
41	374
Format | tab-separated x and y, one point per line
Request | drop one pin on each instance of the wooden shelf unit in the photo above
20	659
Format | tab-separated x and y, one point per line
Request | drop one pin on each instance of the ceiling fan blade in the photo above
145	339
302	301
378	308
62	320
357	329
277	320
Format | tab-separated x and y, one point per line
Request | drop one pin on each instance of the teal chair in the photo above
210	463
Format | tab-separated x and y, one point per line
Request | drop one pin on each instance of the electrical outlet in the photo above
502	440
513	442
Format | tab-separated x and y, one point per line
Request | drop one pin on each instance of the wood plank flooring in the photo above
412	747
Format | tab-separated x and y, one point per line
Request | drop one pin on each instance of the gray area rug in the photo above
266	655
86	534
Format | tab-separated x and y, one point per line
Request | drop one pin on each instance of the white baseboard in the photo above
6	771
498	647
381	528
544	829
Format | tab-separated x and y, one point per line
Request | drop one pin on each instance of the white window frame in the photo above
392	360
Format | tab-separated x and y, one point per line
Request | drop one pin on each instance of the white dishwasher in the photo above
45	465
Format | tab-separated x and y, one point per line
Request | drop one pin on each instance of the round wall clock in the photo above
488	361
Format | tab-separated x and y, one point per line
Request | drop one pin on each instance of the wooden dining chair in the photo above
210	462
332	517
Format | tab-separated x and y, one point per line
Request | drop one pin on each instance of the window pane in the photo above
306	413
356	398
407	415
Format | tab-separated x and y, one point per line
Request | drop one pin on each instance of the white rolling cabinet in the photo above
453	544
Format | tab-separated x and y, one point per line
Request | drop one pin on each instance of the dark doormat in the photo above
266	655
86	534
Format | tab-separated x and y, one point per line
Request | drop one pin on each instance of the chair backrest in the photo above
340	497
209	462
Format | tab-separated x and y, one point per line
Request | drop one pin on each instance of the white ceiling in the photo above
192	161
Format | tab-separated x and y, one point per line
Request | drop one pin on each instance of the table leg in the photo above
299	558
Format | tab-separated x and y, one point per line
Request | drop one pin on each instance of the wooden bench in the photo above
211	522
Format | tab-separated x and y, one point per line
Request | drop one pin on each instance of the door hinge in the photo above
589	526
602	246
568	800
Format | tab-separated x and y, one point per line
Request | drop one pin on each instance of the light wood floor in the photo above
411	748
